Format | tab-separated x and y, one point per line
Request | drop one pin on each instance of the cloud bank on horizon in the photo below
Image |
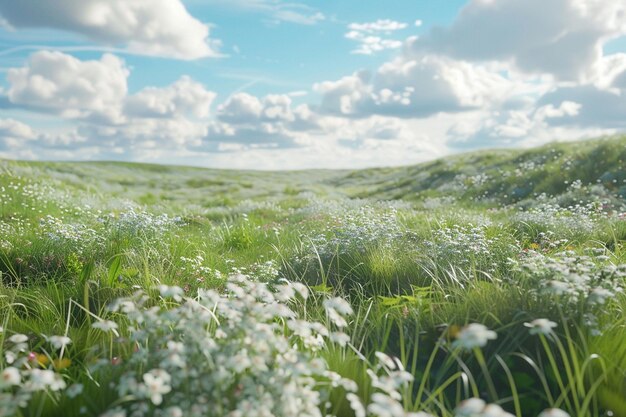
267	84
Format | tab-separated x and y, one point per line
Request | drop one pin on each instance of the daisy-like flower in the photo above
10	376
356	405
599	295
340	305
558	287
540	326
156	383
58	342
41	379
474	335
469	407
301	289
171	292
18	338
494	410
105	325
386	360
385	406
553	412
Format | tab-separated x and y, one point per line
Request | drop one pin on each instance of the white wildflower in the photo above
174	292
356	405
18	338
340	305
301	289
494	410
105	325
541	326
553	412
474	335
10	376
386	360
599	295
469	407
156	383
58	342
558	287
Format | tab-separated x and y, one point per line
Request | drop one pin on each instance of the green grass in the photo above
419	251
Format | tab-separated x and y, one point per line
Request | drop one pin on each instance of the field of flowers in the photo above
482	285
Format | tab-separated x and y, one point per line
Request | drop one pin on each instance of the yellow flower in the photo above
454	330
42	360
60	364
534	245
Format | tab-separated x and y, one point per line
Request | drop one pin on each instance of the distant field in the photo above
145	290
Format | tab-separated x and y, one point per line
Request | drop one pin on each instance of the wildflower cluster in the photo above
574	219
24	374
245	353
465	247
573	277
359	230
78	235
135	222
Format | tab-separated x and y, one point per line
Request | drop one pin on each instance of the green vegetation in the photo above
132	289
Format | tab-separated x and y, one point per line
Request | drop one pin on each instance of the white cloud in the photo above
369	45
416	88
484	81
240	108
155	27
560	37
94	95
271	121
599	108
380	25
14	129
59	83
184	97
369	36
277	10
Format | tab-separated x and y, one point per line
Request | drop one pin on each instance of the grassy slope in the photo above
431	254
467	177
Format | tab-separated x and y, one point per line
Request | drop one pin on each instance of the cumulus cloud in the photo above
59	83
415	88
486	80
369	36
522	127
184	97
14	129
560	37
156	27
271	121
94	95
598	107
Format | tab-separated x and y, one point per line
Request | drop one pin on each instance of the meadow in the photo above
481	285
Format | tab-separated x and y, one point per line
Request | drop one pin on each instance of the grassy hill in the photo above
493	177
494	274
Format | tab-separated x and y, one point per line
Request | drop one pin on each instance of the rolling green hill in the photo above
492	177
520	254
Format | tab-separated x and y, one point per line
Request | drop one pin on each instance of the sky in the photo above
272	84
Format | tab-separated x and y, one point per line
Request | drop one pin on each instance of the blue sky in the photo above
270	84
